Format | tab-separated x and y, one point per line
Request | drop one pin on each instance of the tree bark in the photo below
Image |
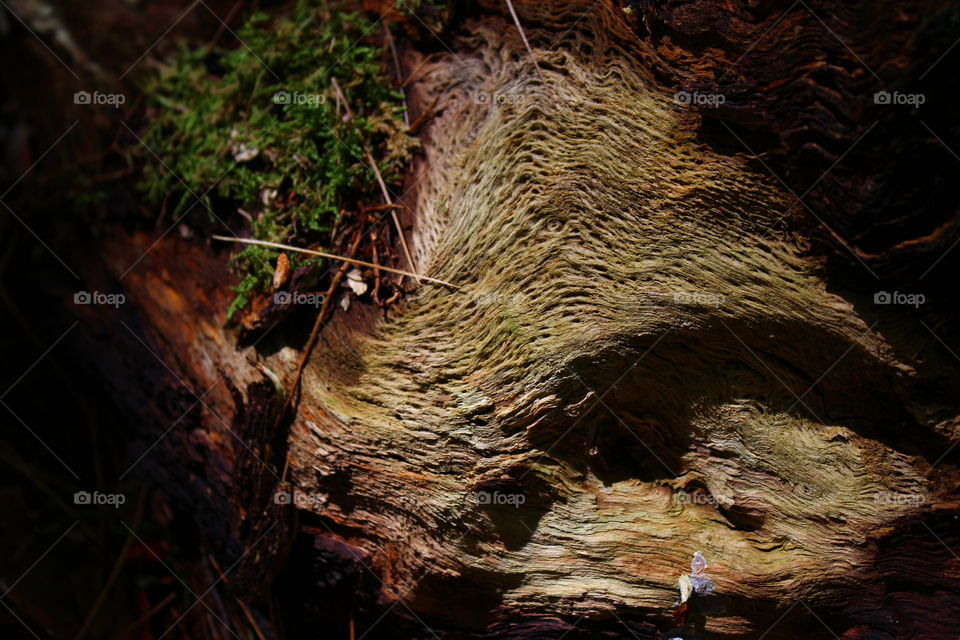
649	354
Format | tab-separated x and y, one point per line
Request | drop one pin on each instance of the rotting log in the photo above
641	362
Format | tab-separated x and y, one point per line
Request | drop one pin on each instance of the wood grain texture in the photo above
799	80
641	362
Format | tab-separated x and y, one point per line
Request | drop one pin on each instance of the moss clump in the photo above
262	127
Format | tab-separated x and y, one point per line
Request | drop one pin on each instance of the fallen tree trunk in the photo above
639	363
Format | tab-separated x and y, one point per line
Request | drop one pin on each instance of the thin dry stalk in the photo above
331	256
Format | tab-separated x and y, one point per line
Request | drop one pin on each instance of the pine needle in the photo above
331	256
383	186
393	212
523	36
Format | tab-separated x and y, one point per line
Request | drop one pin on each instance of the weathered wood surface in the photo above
799	80
640	352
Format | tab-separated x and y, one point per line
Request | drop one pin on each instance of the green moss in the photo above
511	326
261	127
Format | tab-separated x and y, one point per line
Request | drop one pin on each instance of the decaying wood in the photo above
799	81
639	363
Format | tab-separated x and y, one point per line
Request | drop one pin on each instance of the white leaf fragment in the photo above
686	588
355	282
268	196
240	150
243	153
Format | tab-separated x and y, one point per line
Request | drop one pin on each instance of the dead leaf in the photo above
282	272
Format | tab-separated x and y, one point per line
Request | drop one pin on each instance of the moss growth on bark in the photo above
278	127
